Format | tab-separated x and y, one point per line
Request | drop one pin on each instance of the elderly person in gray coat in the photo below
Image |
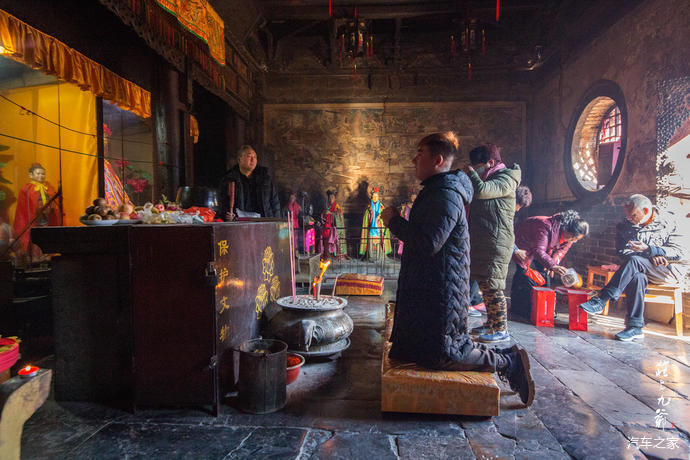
653	250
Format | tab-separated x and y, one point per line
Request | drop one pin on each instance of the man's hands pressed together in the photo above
387	215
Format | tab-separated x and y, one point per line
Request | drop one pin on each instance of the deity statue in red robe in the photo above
333	232
31	198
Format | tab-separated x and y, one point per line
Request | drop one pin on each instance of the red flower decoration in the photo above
138	184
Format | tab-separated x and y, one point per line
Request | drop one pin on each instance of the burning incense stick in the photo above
291	238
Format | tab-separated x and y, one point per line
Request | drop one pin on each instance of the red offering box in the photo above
577	318
543	302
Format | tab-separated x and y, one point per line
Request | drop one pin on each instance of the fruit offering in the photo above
100	210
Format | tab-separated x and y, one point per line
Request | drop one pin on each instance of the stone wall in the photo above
641	50
353	147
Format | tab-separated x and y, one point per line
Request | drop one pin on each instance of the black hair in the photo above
35	166
330	192
572	223
523	196
484	153
479	155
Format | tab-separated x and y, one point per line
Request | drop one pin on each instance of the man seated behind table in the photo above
430	324
254	189
653	250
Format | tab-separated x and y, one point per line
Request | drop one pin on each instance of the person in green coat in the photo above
491	234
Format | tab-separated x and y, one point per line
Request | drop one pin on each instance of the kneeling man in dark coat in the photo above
430	326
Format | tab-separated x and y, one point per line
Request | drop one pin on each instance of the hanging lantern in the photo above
473	38
356	39
472	35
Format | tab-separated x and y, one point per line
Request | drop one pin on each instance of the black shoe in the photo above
518	376
593	306
505	351
630	333
479	330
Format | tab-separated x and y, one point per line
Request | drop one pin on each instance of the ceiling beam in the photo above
277	10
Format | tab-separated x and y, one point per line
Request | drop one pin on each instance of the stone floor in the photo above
596	398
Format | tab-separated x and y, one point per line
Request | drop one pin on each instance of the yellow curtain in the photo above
199	17
77	115
29	46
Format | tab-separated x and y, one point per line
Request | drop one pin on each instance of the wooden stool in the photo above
597	278
669	294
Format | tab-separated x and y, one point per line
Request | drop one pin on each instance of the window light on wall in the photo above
595	144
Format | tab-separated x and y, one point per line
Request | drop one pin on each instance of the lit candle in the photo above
28	371
317	281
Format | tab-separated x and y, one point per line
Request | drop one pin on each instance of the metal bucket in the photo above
262	387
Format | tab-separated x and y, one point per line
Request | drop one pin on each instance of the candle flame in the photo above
324	266
27	368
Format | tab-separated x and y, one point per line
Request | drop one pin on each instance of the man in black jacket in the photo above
430	326
254	190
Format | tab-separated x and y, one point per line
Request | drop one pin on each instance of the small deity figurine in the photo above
405	214
32	197
334	227
376	240
294	207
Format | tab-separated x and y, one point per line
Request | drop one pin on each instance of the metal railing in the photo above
350	259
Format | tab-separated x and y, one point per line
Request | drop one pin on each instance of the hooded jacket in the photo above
491	225
267	196
433	288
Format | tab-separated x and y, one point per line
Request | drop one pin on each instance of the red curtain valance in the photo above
29	46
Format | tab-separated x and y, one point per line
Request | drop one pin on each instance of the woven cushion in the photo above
406	387
356	284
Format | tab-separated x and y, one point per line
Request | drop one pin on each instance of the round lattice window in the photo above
595	149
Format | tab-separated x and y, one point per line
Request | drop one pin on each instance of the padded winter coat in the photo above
268	202
491	225
433	288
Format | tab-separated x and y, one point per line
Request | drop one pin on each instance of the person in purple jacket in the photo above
545	240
